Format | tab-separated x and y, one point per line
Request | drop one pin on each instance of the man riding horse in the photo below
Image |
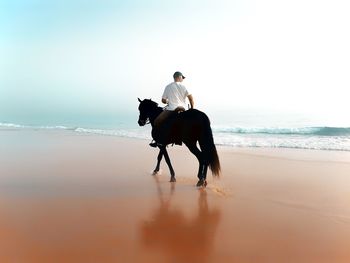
191	127
174	96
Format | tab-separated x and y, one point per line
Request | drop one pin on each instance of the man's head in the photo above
178	77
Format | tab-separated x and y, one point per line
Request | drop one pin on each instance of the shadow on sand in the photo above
179	238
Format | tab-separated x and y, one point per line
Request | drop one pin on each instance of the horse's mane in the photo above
151	102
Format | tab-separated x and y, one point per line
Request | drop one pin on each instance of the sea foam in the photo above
319	138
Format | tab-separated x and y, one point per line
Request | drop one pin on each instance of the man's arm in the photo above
190	98
165	95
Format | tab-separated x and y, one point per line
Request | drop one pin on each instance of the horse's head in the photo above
146	108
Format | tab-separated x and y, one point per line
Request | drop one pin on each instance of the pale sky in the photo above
60	57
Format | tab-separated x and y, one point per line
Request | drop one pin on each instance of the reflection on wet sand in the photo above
179	238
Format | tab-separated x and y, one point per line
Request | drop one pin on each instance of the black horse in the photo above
189	127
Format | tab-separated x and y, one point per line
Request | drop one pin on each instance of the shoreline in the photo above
277	142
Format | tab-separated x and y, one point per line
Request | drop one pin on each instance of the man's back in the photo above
175	93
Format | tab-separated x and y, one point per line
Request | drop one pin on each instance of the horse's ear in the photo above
139	100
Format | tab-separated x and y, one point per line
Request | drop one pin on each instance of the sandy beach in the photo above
68	197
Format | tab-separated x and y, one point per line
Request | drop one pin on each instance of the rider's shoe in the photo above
153	144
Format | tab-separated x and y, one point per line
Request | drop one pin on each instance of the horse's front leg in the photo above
159	159
167	159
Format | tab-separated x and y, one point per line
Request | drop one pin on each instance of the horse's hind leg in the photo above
203	181
205	170
167	159
202	170
159	159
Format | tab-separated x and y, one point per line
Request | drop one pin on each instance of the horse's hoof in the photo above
172	180
202	183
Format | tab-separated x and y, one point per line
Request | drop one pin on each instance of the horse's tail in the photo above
206	142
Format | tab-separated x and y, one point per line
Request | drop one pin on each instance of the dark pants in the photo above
161	118
164	115
161	136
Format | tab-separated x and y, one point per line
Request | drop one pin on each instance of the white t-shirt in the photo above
176	94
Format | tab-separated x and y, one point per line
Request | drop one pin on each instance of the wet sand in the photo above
67	197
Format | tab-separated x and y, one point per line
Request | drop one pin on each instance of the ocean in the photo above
236	130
